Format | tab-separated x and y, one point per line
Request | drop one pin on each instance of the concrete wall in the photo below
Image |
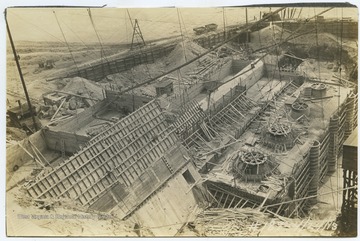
129	199
101	70
272	71
220	72
217	37
72	141
246	77
127	101
215	74
80	120
16	156
171	207
238	65
66	131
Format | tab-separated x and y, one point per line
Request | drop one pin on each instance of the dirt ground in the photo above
27	218
32	53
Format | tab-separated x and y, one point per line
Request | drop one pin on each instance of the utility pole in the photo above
246	15
20	73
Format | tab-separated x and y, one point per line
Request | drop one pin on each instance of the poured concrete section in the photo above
247	77
294	164
120	167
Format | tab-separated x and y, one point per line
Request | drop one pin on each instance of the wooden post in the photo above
20	73
58	109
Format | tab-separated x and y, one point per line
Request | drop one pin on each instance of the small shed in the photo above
164	87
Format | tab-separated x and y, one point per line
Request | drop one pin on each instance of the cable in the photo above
182	19
182	36
26	21
67	44
308	197
80	40
98	37
196	58
223	11
341	46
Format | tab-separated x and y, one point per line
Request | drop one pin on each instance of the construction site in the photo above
241	124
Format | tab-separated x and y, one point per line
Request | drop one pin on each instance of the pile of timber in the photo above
230	222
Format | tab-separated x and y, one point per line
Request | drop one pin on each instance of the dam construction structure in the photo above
237	130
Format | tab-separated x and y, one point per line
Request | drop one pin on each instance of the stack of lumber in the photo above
230	222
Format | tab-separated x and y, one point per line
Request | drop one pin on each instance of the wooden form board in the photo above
301	175
323	160
101	70
231	114
345	29
215	38
189	115
223	195
120	154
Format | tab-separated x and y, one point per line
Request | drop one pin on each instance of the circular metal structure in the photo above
279	129
318	86
300	106
253	158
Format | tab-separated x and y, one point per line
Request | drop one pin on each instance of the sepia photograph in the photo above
233	121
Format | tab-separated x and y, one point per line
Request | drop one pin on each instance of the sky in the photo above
113	24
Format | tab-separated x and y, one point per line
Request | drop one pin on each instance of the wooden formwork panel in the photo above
120	154
189	115
233	112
